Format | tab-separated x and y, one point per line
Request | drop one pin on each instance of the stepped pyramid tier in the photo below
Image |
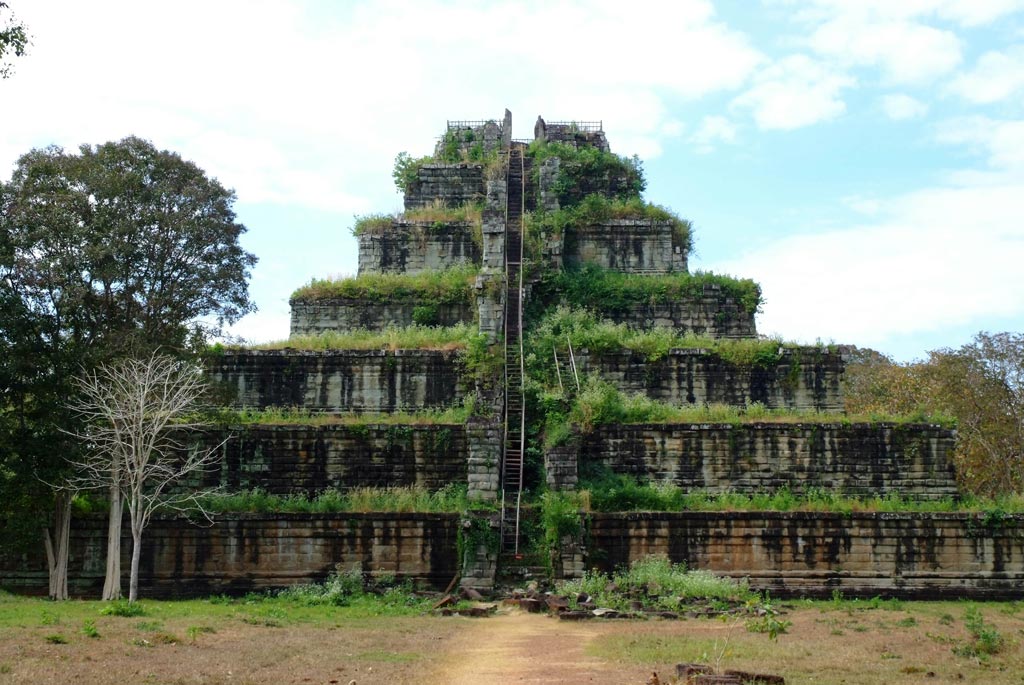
528	323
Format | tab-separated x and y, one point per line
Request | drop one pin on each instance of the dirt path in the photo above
519	647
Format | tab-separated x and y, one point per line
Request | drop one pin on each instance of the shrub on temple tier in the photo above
586	170
609	291
433	216
450	286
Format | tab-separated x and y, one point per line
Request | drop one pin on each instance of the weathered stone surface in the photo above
245	552
312	317
484	439
913	461
415	247
909	555
804	378
449	184
306	459
713	314
341	380
642	246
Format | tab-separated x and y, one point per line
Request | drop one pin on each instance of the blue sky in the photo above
862	159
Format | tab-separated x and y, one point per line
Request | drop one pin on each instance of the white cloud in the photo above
909	41
900	107
713	129
868	206
995	77
1001	140
306	91
906	52
938	258
793	92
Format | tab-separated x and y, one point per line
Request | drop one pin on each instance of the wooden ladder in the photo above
515	417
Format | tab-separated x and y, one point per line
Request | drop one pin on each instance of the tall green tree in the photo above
116	250
14	39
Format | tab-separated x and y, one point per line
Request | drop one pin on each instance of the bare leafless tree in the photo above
138	414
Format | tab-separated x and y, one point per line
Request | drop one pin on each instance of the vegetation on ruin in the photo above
615	292
449	499
585	170
298	416
604	491
596	209
434	216
558	327
600	402
413	337
451	286
452	150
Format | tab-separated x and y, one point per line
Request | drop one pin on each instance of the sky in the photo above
863	160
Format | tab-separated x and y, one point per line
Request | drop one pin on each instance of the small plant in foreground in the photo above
196	631
659	584
123	608
89	629
337	590
985	639
56	639
767	620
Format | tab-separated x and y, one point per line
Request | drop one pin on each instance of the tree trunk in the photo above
57	559
112	583
133	580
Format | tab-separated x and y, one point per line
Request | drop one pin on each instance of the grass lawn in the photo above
392	640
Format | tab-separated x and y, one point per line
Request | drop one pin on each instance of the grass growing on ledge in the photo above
603	491
587	331
413	337
449	499
613	291
450	286
433	216
601	403
296	416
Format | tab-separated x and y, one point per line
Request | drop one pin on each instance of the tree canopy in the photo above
13	39
117	249
980	384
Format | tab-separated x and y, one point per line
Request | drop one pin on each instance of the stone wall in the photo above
245	552
922	556
714	314
341	380
857	459
306	459
804	378
311	317
449	184
415	247
484	439
643	246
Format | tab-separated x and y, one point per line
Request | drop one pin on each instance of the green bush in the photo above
586	170
123	608
614	292
658	583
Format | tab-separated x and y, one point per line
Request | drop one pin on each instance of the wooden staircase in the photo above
515	418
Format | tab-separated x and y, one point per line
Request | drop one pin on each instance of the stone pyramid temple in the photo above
527	331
